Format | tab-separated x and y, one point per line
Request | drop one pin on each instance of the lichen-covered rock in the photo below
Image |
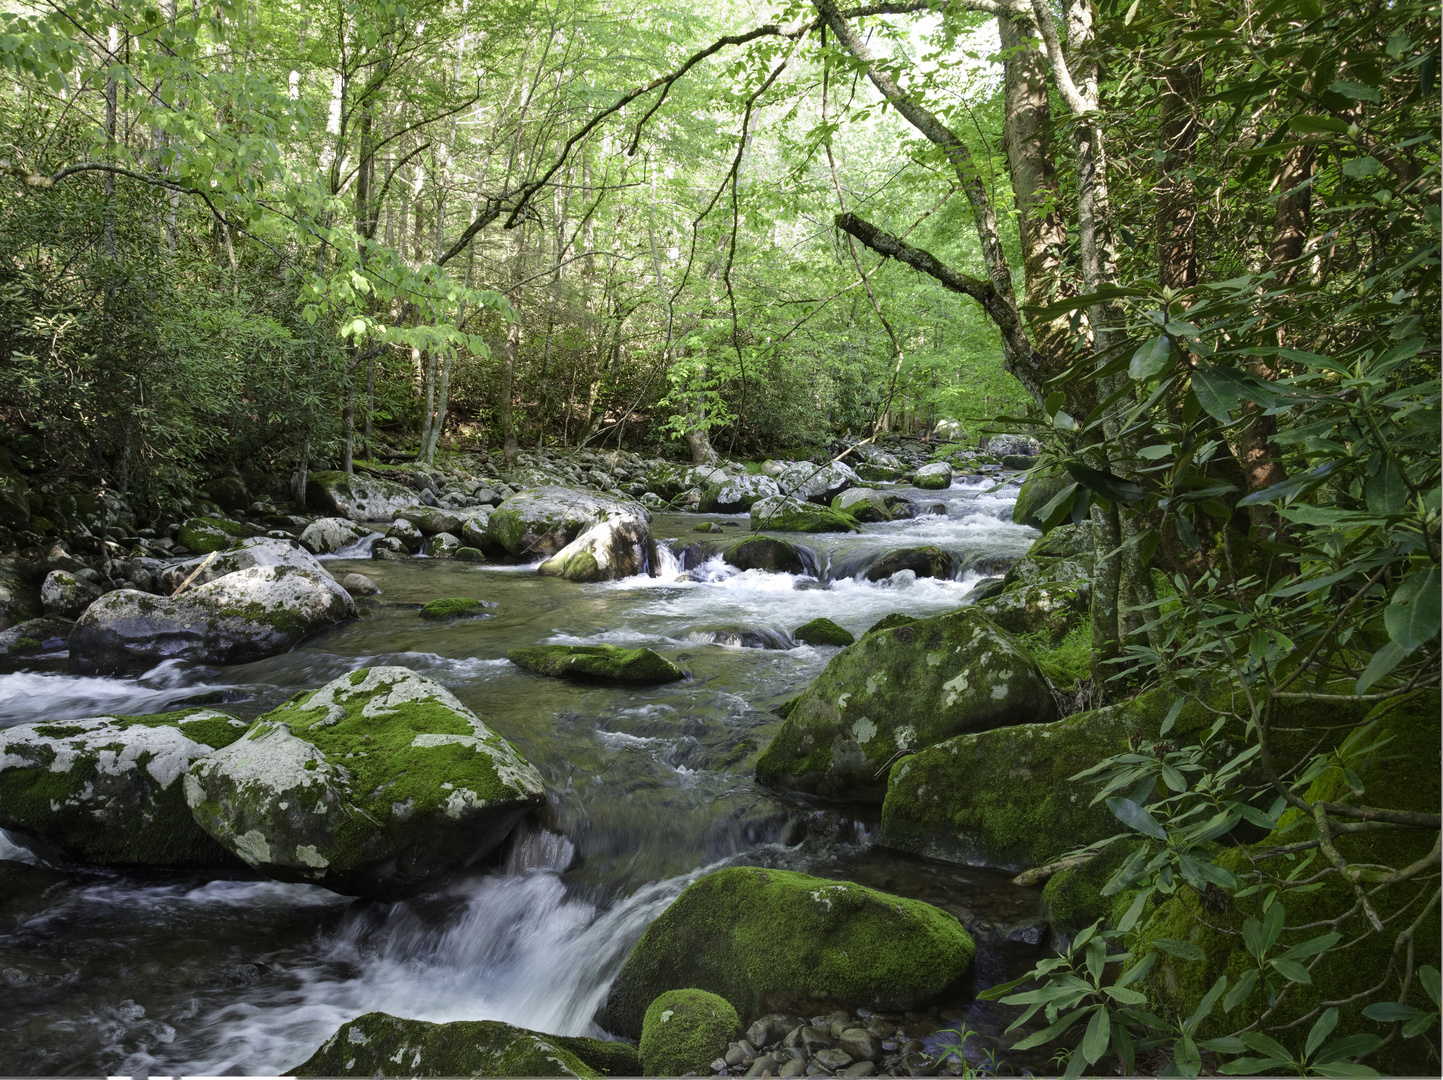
432	520
1066	542
864	504
898	691
440	546
372	785
1048	607
1037	491
388	547
243	616
817	483
925	562
793	515
684	1031
378	1044
329	534
469	554
736	494
869	470
886	622
65	595
933	477
473	527
206	534
454	607
823	632
405	530
770	940
540	522
36	637
360	498
602	663
108	789
260	551
1040	569
617	547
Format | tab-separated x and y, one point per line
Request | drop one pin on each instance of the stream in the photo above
123	972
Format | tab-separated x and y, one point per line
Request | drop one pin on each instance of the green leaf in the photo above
1264	1044
1345	1070
1412	616
1185	1055
1240	990
1293	971
1183	950
1392	1012
1150	358
1360	167
1311	947
1097	1036
1385	491
1136	817
1172	714
1250	1066
1110	486
1428	976
1384	661
1322	1028
1355	90
1293	485
1350	1046
1317	125
1206	1005
1217	391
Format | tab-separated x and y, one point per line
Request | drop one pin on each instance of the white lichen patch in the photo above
955	687
821	896
309	856
253	847
864	731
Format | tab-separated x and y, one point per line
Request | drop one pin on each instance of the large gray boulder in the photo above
542	521
787	514
736	494
372	785
243	616
360	498
65	595
933	477
327	535
35	638
260	551
817	483
618	547
108	789
897	691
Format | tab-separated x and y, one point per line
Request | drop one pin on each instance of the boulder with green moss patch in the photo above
359	498
770	940
378	1044
736	494
864	504
441	546
1046	608
1037	569
259	551
933	477
886	622
786	514
684	1031
454	607
617	547
769	554
924	562
823	632
1038	490
108	789
372	785
36	637
600	663
1066	542
247	615
899	690
65	596
327	535
206	534
540	522
816	483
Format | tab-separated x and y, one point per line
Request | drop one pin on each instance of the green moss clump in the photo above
777	940
469	554
776	514
378	1044
452	607
26	645
1073	897
206	534
684	1031
610	1058
598	662
1065	661
823	632
886	622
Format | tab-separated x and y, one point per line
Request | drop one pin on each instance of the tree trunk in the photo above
508	388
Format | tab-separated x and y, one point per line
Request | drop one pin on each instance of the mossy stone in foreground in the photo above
599	662
776	940
378	1044
685	1031
452	607
823	632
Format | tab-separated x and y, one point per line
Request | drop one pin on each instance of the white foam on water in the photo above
28	697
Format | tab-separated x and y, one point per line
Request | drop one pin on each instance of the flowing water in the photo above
125	972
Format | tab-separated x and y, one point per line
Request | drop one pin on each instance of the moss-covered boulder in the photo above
36	637
1048	608
684	1031
470	554
1039	569
440	546
540	522
933	477
359	498
770	940
327	535
1065	542
247	615
453	607
769	554
897	691
378	1044
1405	776
433	520
823	632
598	663
407	533
794	515
928	562
108	790
817	483
886	622
736	494
1037	491
864	504
259	551
206	534
372	785
64	595
618	547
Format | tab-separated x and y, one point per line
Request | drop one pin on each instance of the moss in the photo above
777	940
1064	661
1073	897
605	1056
784	710
598	662
886	622
823	632
378	1044
26	645
1037	491
794	515
1405	778
206	534
684	1031
452	607
470	554
213	729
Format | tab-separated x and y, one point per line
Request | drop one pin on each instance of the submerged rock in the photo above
454	607
36	637
736	494
542	521
329	534
108	789
751	639
372	785
899	690
618	547
64	595
360	498
378	1044
823	632
605	663
360	585
247	615
793	515
684	1031
776	939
